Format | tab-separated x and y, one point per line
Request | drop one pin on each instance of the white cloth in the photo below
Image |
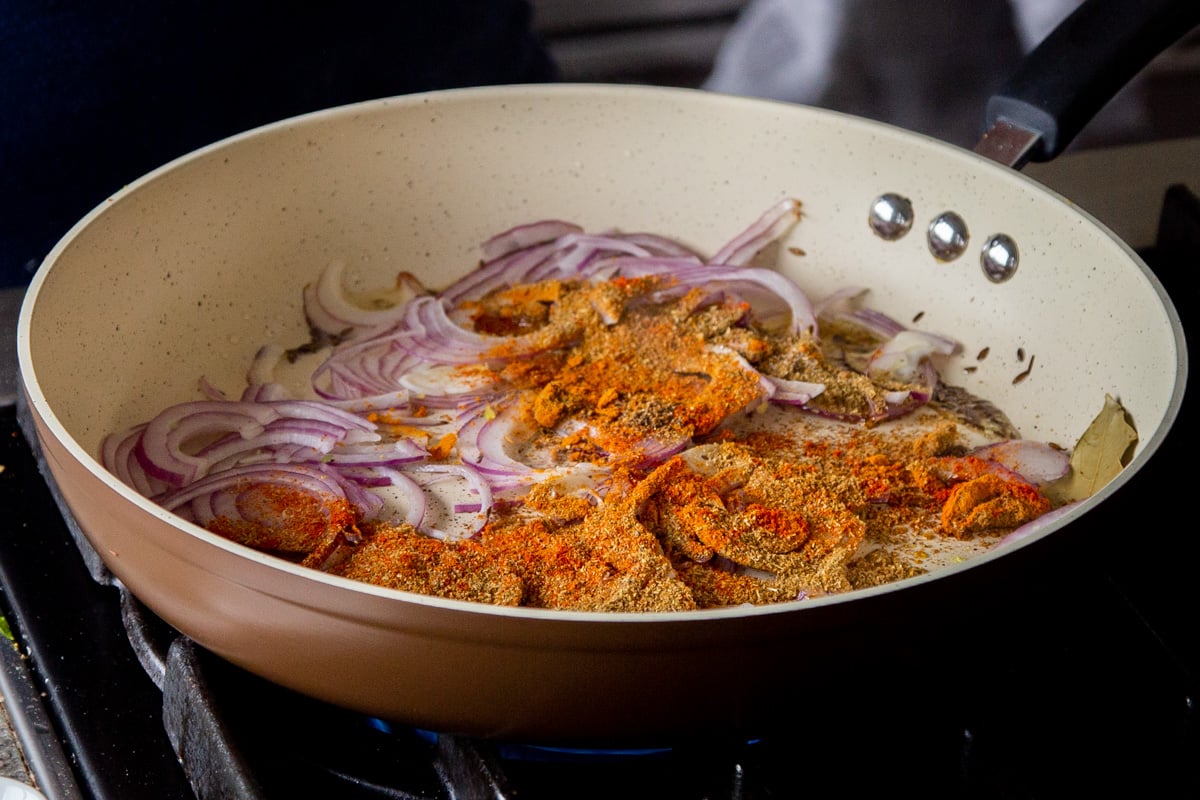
927	65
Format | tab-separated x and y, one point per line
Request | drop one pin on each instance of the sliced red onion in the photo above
476	485
364	500
384	454
315	435
413	496
336	380
329	309
443	380
484	442
308	479
649	451
767	385
165	449
896	405
631	267
218	495
1037	462
509	270
655	450
754	285
573	254
160	447
607	315
793	393
437	339
904	358
210	391
581	249
1036	526
844	306
900	358
658	245
371	364
119	456
262	367
776	221
363	369
357	429
265	393
876	322
775	389
261	386
525	236
958	468
318	318
565	257
388	401
207	508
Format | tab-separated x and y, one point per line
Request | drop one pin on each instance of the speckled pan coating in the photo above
187	271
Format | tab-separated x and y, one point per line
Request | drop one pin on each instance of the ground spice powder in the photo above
750	512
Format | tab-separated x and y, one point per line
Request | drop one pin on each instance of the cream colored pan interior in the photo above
186	272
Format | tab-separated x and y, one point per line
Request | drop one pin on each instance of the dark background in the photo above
93	95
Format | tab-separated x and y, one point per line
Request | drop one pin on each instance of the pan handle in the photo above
1076	69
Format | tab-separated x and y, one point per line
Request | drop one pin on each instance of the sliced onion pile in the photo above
413	363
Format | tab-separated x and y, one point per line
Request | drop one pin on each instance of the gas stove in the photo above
1083	675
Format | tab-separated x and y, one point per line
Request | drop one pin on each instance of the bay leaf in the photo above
1101	452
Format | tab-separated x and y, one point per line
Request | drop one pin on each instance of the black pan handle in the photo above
1078	68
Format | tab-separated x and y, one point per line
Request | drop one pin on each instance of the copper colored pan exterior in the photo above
187	271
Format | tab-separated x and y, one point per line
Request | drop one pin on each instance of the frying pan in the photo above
187	271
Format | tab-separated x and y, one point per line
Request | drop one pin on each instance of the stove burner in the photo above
516	751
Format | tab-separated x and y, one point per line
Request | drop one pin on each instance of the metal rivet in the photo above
947	236
891	216
999	258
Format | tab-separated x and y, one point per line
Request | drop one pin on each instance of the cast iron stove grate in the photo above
1083	676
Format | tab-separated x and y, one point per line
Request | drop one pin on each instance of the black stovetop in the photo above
1080	676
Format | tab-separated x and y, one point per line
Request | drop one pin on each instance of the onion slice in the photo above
329	308
1037	462
770	226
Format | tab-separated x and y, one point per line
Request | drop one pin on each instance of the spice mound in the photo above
600	422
